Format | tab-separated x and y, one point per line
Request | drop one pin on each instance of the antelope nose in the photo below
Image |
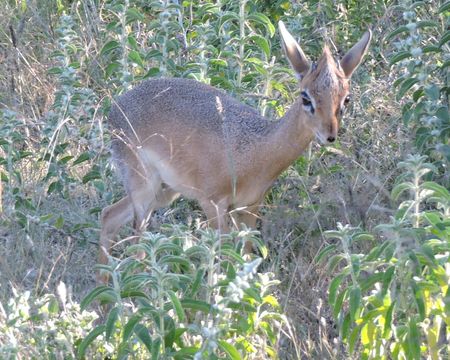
331	139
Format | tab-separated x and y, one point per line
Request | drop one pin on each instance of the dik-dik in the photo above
177	136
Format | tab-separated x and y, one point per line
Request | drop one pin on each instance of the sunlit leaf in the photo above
230	350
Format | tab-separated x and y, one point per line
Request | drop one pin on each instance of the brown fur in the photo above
178	136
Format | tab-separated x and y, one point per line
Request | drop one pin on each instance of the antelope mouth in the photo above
321	138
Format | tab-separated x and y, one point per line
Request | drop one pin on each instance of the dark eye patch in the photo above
306	101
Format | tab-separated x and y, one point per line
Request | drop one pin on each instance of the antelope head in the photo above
325	85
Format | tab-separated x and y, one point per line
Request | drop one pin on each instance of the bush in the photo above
44	327
191	297
393	301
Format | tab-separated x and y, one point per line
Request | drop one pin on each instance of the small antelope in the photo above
178	136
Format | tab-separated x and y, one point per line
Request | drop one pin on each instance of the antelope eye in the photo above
347	100
306	101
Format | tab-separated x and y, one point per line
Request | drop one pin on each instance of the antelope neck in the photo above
289	138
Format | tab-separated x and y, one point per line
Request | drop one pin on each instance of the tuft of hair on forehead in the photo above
328	69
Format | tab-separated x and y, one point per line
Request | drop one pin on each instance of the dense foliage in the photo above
380	291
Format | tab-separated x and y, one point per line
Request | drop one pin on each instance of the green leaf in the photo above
399	57
333	234
446	64
173	259
334	261
132	42
432	217
242	306
129	326
254	294
82	158
370	280
91	175
143	335
337	308
177	305
169	328
431	49
262	43
133	294
443	114
59	223
444	7
228	16
218	62
388	321
432	92
406	85
232	255
64	160
356	264
397	82
353	338
264	20
55	71
156	348
354	301
178	333
111	69
111	322
400	188
55	186
363	236
109	47
418	94
230	350
133	14
418	296
427	23
447	301
387	279
95	293
135	57
397	31
81	351
196	305
324	253
186	353
438	190
413	340
345	326
192	291
376	251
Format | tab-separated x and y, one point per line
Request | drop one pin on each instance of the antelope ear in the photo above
293	52
353	58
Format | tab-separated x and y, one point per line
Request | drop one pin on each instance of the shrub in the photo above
191	297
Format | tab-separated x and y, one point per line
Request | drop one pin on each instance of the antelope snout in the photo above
333	131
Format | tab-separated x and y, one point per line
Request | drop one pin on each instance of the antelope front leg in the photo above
112	218
248	216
